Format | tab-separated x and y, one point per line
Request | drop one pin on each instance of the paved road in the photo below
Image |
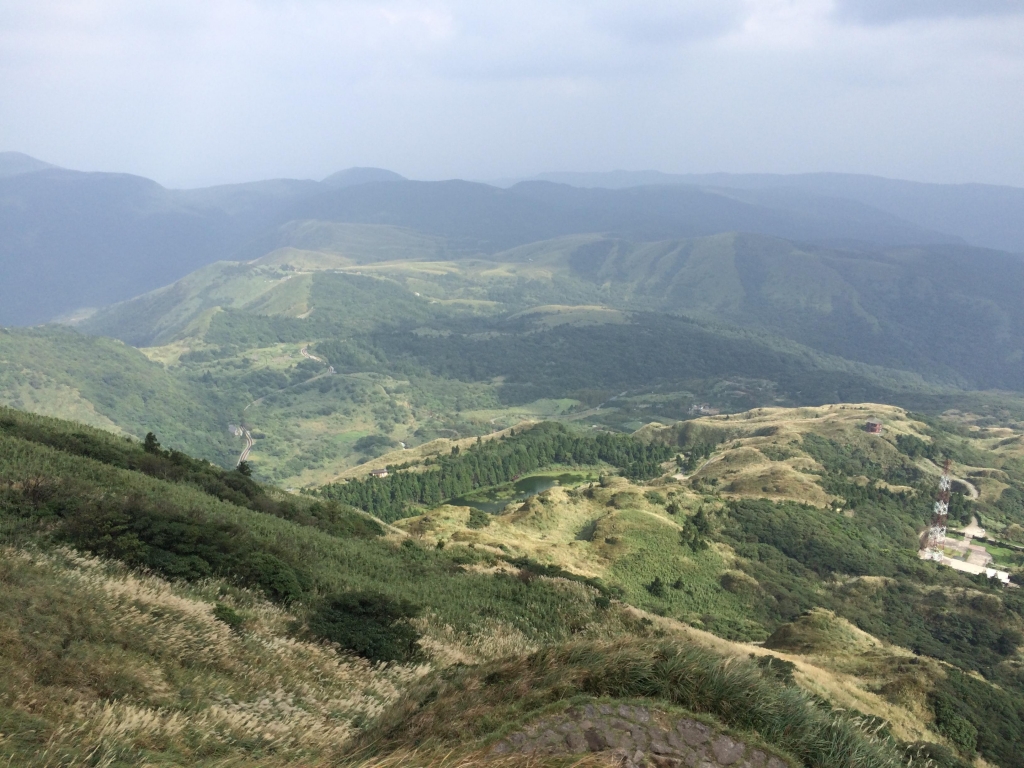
248	446
974	530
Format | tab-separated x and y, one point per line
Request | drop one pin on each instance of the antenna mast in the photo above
937	531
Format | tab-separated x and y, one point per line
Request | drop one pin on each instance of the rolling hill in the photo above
14	163
71	241
623	506
984	215
948	313
263	616
102	382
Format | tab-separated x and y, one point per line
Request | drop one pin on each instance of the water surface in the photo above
494	500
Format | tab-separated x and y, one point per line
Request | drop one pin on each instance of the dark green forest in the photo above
494	463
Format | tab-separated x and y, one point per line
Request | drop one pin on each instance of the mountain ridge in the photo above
987	215
71	240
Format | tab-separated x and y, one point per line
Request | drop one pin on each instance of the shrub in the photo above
178	544
368	624
951	724
478	519
656	587
231	617
773	667
276	578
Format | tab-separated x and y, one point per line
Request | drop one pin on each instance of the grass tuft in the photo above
464	705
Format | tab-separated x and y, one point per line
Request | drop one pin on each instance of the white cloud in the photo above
195	92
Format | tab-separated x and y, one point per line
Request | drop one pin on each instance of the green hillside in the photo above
57	372
948	313
423	349
71	241
190	626
984	215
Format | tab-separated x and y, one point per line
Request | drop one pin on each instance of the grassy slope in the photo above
625	536
59	372
102	666
879	307
873	306
122	668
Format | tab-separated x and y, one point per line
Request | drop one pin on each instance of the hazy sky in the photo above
193	92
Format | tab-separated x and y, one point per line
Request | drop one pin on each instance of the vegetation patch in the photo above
493	463
449	709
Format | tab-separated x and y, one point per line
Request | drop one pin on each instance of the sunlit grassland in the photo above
102	666
479	606
129	668
762	454
39	393
611	533
628	548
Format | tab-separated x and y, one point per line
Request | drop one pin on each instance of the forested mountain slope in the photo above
104	383
71	240
949	313
945	311
984	215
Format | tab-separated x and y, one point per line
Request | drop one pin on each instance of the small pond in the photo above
493	500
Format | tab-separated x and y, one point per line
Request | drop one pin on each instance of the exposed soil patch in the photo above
637	736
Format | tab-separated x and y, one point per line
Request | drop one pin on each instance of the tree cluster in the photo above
493	463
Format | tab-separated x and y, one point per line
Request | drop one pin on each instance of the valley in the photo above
409	473
789	537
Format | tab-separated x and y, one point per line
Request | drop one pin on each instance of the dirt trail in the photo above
305	353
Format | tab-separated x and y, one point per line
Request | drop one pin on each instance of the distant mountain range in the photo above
71	240
13	163
951	313
985	215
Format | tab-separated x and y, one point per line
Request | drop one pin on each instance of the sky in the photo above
199	92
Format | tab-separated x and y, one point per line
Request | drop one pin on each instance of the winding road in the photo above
248	446
248	437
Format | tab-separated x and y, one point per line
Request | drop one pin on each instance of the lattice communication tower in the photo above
937	530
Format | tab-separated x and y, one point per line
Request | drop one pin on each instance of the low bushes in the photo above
368	624
461	704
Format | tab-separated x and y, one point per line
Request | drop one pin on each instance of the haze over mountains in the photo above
986	215
71	240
